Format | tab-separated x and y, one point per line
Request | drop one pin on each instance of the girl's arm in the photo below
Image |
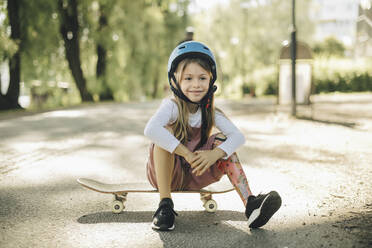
183	151
156	129
204	159
234	139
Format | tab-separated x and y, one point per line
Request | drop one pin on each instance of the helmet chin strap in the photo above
204	104
206	99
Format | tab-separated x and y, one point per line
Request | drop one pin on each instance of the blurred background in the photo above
62	53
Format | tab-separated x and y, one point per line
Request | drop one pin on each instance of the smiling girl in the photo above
184	155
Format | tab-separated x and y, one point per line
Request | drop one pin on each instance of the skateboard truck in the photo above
209	204
118	204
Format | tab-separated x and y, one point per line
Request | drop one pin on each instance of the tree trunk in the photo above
14	80
106	92
10	99
154	92
69	29
1	94
3	102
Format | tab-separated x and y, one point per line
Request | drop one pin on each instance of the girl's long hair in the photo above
180	127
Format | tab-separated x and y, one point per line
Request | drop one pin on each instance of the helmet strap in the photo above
205	104
178	92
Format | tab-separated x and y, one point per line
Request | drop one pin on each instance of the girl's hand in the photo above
204	159
189	157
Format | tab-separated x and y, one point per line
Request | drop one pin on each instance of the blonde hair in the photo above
181	128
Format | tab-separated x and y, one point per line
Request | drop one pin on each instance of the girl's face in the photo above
194	82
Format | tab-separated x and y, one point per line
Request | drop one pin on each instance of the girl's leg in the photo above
164	165
233	169
235	172
164	216
260	208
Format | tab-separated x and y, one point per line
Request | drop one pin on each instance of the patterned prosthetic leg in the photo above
233	169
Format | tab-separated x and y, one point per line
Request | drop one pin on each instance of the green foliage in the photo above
353	82
344	75
264	81
42	50
272	88
7	46
138	39
139	58
47	95
329	47
330	74
247	36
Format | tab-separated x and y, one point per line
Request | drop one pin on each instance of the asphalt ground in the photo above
320	163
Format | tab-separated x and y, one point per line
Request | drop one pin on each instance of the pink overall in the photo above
183	179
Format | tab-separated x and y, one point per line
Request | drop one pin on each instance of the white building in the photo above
336	18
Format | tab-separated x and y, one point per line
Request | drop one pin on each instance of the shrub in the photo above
329	47
262	82
329	75
344	75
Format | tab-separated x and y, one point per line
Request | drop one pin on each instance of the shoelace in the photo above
165	210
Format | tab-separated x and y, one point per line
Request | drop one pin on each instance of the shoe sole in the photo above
268	207
162	227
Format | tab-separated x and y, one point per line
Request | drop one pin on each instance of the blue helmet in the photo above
191	49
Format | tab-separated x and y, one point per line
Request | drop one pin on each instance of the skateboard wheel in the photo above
117	207
210	206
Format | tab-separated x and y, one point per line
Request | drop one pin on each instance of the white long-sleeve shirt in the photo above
167	114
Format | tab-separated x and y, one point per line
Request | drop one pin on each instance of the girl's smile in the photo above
195	82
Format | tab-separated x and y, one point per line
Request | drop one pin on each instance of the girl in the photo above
183	155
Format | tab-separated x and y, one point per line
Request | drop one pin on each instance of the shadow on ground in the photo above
324	121
229	229
146	216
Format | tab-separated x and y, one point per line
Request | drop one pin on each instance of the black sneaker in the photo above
260	208
163	219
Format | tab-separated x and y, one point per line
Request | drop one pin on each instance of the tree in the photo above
330	46
247	35
70	33
109	49
143	34
10	99
106	92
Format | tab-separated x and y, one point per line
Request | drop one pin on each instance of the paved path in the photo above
321	167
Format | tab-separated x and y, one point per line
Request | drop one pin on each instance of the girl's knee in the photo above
160	150
219	138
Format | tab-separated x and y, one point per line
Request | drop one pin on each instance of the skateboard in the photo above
120	192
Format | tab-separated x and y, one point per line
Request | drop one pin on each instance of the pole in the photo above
293	57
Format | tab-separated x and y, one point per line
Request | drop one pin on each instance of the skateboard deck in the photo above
120	192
